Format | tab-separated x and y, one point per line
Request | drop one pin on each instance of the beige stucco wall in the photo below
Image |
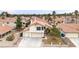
72	35
33	32
33	28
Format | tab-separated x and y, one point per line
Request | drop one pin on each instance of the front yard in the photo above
7	43
53	41
54	37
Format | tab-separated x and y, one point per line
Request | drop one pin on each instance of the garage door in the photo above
28	34
37	34
72	35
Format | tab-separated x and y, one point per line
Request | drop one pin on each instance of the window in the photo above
38	28
43	28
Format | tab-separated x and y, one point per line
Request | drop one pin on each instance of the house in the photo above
4	30
70	30
36	28
25	21
71	19
10	21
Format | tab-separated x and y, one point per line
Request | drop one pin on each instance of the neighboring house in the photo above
10	21
25	20
71	19
36	28
4	30
70	30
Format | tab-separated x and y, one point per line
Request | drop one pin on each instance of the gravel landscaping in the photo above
57	42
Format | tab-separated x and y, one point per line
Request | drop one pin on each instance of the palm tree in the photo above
54	16
76	15
65	16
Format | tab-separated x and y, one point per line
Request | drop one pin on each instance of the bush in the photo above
10	38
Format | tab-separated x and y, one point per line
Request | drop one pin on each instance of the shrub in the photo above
10	38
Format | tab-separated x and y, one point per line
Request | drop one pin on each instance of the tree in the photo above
52	32
5	14
65	15
76	15
54	16
49	19
47	30
55	32
18	23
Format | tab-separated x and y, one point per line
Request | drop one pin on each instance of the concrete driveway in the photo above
75	41
31	42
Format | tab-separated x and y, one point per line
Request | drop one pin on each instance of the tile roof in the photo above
40	21
70	28
4	29
8	19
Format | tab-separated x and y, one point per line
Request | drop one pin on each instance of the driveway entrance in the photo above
30	42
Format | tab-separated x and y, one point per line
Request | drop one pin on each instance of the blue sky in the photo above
36	11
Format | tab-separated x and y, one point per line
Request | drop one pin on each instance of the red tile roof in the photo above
8	19
4	29
70	27
40	21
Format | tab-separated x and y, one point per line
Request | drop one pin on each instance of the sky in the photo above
38	6
36	11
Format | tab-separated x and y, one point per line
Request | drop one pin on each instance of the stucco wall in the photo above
33	32
33	28
71	35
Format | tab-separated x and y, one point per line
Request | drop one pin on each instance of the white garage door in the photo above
72	35
28	34
37	34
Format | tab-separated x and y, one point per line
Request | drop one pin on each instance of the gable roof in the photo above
40	22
